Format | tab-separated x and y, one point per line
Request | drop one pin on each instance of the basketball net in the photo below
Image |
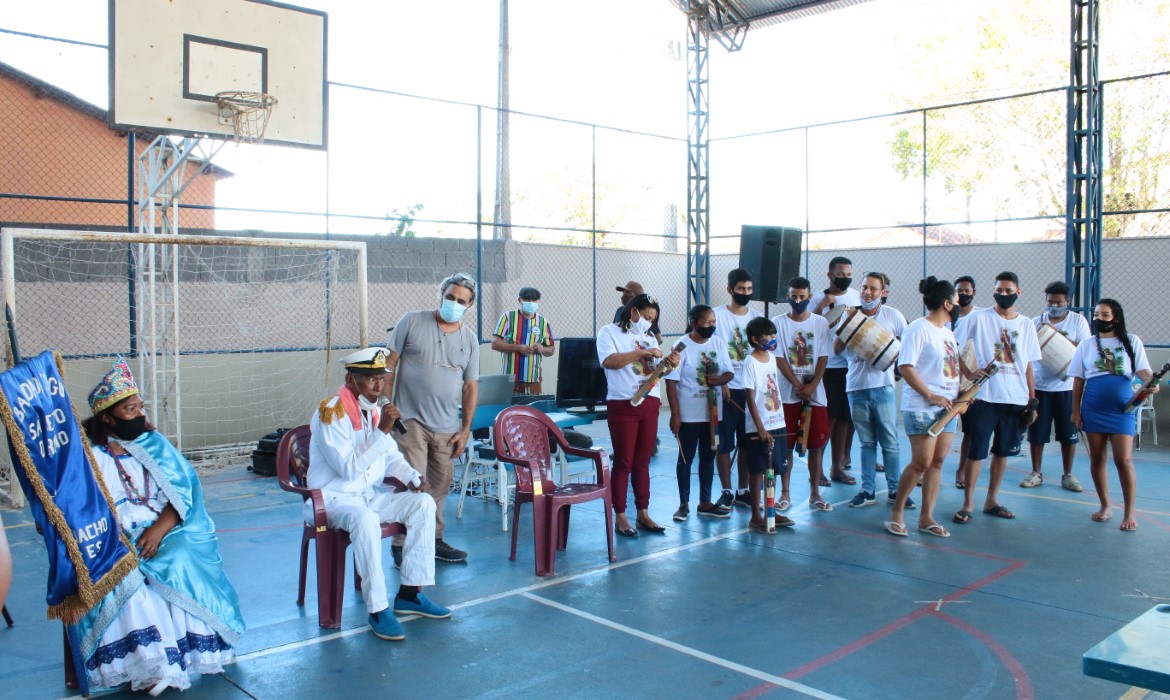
246	112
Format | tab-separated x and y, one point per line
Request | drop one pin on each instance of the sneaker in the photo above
396	552
743	500
1069	482
445	552
1032	480
386	626
862	499
726	499
717	511
683	512
894	497
423	608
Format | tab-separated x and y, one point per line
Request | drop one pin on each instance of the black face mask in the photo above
705	332
799	307
842	283
129	429
741	299
1005	301
954	312
966	299
1100	326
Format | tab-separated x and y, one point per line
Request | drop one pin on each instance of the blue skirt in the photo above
1101	406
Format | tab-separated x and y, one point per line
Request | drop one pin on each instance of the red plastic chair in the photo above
292	469
522	438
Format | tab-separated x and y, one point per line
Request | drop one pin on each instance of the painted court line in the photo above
694	653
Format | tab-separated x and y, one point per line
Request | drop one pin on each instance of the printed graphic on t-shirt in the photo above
772	394
951	364
1110	361
643	367
708	366
738	347
1006	349
802	350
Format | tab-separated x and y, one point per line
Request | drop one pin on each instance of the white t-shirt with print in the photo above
733	330
698	360
1011	344
934	354
623	383
802	343
1088	362
963	319
850	299
765	380
1072	326
862	374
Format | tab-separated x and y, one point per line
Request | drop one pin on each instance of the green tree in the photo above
405	226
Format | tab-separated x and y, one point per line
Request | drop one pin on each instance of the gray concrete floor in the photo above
834	607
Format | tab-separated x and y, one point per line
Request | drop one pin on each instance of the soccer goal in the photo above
229	338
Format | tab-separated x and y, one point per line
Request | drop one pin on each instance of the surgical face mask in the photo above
366	404
769	345
1100	326
705	332
529	307
799	307
871	305
129	429
954	312
966	299
451	310
640	326
1057	311
1005	301
741	299
842	283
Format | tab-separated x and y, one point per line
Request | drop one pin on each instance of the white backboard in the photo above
168	59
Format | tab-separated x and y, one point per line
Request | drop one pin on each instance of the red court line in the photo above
1014	667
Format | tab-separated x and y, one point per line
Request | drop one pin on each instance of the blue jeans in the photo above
875	420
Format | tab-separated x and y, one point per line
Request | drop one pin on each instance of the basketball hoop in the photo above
246	112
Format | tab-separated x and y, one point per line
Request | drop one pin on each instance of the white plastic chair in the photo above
1145	414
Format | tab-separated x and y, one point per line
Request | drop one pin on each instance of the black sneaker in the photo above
862	499
717	511
743	500
396	552
682	513
909	502
725	500
445	552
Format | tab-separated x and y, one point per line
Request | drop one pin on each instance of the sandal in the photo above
844	479
1102	515
784	504
650	527
897	529
782	521
821	505
962	517
823	482
999	512
760	528
1128	525
936	530
628	532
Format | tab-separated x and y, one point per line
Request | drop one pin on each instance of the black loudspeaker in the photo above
772	255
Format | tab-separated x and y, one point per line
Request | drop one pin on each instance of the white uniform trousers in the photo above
364	521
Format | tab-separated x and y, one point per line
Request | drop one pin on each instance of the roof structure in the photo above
728	20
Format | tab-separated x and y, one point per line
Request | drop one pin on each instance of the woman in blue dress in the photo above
1103	369
177	615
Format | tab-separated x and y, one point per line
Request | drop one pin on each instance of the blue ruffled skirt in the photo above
1102	403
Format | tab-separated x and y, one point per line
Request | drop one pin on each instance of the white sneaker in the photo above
1070	483
1032	480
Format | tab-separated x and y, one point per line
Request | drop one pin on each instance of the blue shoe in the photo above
862	499
386	626
424	607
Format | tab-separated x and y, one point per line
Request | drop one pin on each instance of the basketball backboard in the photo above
168	59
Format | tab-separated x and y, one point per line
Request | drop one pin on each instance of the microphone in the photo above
398	426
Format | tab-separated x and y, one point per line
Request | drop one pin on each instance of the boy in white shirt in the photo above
764	424
731	325
804	343
1007	403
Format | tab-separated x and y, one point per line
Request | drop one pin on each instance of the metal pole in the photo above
593	222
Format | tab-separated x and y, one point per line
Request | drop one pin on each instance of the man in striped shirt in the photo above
523	337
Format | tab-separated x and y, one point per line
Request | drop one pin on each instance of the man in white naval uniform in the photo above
350	454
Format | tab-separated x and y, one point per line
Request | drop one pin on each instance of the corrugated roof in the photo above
732	18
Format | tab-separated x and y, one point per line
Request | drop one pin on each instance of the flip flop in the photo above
999	512
824	483
651	528
963	516
628	532
1101	516
896	529
760	528
1128	525
960	485
844	479
936	530
783	505
821	505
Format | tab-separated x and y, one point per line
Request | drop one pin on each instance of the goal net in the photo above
228	338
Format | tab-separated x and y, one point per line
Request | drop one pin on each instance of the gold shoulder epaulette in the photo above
328	413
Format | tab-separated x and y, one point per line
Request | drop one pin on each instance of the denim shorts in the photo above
918	422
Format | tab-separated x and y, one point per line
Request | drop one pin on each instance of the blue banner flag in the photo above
88	553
